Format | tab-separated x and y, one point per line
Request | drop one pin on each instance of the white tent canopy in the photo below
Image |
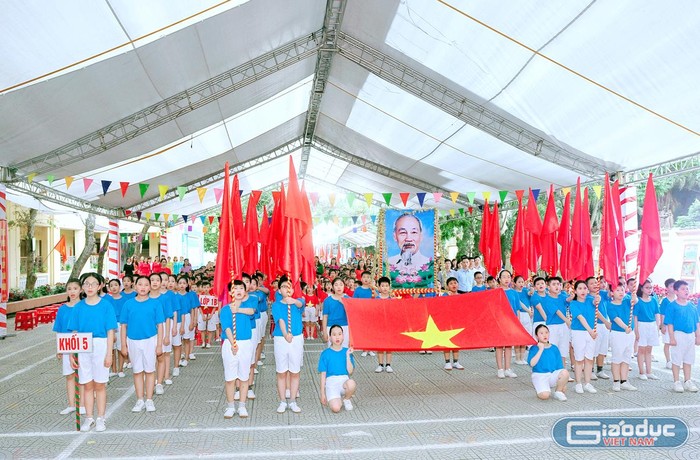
369	97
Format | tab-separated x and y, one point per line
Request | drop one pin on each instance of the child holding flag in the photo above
63	317
622	336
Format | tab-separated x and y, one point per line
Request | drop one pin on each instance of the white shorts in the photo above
262	325
118	338
622	345
526	321
684	352
255	335
584	345
167	332
666	338
236	366
602	341
65	365
648	333
288	355
177	340
559	336
207	325
544	381
142	354
310	315
346	336
334	386
91	365
188	335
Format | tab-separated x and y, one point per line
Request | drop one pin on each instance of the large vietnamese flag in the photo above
476	320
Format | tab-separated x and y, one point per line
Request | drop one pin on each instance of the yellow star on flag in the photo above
432	336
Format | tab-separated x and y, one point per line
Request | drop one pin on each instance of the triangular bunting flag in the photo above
387	198
351	198
597	189
454	196
184	218
471	196
502	195
203	219
201	192
486	195
138	215
452	212
240	192
565	190
50	178
519	194
217	194
105	186
314	198
354	219
143	188
124	186
156	216
404	197
331	199
166	217
471	210
211	220
368	198
87	182
69	181
317	220
181	191
148	216
192	218
535	193
175	216
335	220
162	190
31	177
461	212
373	218
437	196
127	212
421	198
364	219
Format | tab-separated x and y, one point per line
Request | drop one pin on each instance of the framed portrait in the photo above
406	246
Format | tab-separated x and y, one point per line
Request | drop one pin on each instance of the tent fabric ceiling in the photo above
606	77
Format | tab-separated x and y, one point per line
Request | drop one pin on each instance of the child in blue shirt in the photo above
503	355
478	282
684	333
547	368
621	336
334	312
114	288
63	317
336	364
583	335
383	357
525	315
647	324
670	297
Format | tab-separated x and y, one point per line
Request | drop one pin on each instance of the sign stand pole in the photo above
76	379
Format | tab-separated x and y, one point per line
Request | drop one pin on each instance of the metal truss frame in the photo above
174	106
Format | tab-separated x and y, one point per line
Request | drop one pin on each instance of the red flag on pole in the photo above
61	248
588	269
291	258
250	262
484	240
533	225
264	263
650	247
518	255
548	237
576	257
609	260
222	270
495	257
564	238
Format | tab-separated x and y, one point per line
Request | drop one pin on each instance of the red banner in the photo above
477	320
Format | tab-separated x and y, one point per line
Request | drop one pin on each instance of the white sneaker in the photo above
379	369
294	408
389	369
510	373
262	355
364	353
183	363
82	411
616	386
602	375
348	404
89	422
282	407
690	386
112	374
251	394
242	412
669	365
594	376
139	406
260	363
643	377
67	410
159	389
428	352
192	356
501	373
448	366
168	382
256	371
100	425
652	377
678	387
287	393
121	375
129	365
559	396
628	386
371	353
521	362
589	388
176	372
230	412
457	366
578	388
237	395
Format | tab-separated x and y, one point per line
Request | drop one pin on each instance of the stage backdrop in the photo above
407	243
476	320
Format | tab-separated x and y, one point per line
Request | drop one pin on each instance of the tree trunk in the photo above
101	256
87	250
139	242
31	253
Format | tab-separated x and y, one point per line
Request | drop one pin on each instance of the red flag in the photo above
276	230
495	257
61	248
518	255
307	243
222	269
588	269
485	319
237	230
608	259
484	239
564	239
264	263
294	228
250	262
548	237
576	257
650	248
617	212
533	225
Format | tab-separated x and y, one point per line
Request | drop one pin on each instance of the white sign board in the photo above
208	301
74	342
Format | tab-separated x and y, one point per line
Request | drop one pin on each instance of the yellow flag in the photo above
165	217
598	189
201	191
454	196
31	177
486	195
69	181
331	198
565	190
368	198
335	220
163	190
148	216
452	212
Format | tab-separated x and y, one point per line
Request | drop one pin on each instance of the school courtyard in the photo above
419	411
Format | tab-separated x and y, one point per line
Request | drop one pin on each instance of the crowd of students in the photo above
147	323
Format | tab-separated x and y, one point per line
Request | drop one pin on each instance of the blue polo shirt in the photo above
684	318
585	309
335	362
646	311
98	318
142	318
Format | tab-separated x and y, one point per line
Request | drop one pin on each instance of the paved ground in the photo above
418	412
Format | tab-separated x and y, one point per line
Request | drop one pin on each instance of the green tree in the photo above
26	221
692	219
